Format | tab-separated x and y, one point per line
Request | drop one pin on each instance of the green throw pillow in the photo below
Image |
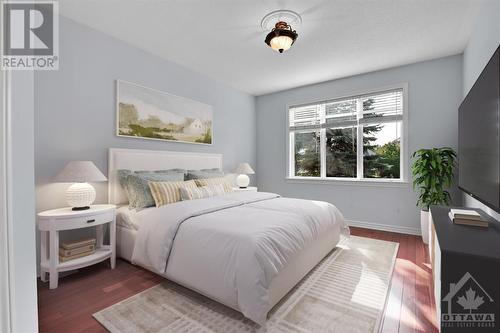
204	174
137	188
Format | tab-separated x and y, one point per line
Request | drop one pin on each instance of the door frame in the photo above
6	292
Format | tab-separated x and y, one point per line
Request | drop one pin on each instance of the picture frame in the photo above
148	113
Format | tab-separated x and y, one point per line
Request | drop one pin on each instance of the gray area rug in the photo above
346	292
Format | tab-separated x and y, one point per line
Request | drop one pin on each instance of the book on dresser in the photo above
467	217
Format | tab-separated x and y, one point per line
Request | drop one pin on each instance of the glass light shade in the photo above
281	43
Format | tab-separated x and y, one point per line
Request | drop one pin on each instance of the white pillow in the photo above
190	193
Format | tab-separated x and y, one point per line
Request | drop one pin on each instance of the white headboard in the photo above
137	159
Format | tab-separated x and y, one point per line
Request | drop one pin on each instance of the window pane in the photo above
384	104
307	154
341	109
381	150
341	152
304	115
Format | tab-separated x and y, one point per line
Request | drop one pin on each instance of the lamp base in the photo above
80	196
242	181
80	208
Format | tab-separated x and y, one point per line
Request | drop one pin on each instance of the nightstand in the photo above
246	189
50	222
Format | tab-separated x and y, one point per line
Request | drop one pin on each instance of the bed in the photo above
246	250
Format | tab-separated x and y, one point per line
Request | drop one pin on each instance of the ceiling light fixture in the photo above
282	36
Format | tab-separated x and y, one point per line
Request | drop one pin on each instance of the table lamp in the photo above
81	194
243	170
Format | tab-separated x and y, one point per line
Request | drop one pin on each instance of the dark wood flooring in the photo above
69	308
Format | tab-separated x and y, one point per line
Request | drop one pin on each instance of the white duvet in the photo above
245	238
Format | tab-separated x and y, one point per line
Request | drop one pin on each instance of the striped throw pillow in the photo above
138	191
215	181
189	193
165	193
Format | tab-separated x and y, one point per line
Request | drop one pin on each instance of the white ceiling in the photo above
223	39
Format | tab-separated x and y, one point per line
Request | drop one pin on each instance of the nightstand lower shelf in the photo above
100	254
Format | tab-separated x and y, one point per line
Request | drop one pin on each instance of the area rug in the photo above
346	292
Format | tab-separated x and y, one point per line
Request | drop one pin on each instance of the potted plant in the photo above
432	174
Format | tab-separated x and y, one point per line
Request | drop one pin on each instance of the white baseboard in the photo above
385	227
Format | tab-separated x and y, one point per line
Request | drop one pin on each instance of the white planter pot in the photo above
424	225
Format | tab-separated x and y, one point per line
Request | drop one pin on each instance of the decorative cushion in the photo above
123	173
122	177
168	192
216	181
163	171
183	171
138	191
190	193
204	174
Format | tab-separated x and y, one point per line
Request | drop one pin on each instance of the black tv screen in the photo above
479	137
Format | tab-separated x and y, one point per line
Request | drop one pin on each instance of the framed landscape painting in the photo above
152	114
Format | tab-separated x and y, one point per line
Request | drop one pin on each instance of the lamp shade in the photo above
244	169
80	172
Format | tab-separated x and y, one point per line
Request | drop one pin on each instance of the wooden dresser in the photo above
466	273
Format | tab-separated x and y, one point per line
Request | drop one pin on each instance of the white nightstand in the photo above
50	222
249	188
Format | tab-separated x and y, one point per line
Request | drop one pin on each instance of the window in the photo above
354	138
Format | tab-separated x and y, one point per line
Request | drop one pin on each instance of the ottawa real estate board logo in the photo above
30	35
467	305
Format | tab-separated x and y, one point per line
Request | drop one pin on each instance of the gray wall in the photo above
483	42
434	93
75	108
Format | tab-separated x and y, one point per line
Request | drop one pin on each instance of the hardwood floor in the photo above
410	307
69	308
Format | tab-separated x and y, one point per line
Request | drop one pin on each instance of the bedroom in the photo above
314	143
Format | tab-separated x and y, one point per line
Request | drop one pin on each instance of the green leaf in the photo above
432	172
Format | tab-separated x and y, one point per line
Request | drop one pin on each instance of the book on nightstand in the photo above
67	253
78	244
76	256
77	249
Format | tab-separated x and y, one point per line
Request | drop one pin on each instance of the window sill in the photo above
349	182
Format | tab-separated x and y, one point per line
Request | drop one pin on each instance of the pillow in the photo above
162	171
204	174
138	191
123	173
168	192
215	181
122	177
189	193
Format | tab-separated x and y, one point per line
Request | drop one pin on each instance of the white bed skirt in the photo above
286	279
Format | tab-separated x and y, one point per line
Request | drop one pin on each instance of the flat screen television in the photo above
479	137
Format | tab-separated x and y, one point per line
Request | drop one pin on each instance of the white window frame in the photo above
382	182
